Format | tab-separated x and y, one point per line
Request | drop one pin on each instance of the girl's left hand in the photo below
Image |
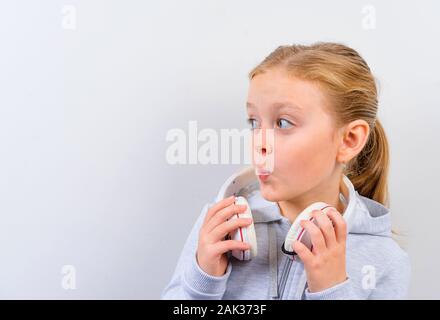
325	264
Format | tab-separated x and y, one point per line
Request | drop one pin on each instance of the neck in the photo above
327	192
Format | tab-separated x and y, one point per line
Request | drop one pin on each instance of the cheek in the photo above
304	156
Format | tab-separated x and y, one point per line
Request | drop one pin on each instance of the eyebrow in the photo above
278	105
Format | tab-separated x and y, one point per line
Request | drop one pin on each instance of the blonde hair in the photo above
346	78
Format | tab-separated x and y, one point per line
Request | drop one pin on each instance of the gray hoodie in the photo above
377	267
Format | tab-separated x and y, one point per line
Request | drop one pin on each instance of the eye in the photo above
252	123
284	124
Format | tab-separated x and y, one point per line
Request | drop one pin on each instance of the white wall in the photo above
84	113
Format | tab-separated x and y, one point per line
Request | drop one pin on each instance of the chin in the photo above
269	194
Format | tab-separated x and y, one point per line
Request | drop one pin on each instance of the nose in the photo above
264	149
263	141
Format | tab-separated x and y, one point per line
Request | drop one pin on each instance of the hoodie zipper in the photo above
288	264
285	276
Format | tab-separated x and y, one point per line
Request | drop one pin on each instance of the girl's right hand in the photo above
212	246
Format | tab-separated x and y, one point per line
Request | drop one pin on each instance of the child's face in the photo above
305	144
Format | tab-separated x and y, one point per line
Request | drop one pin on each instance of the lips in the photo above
262	174
263	177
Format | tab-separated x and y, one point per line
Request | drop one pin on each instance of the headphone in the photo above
235	185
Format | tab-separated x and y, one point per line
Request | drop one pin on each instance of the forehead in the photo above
275	88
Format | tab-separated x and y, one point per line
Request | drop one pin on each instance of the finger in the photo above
303	252
219	232
223	215
218	206
316	235
339	224
325	224
227	245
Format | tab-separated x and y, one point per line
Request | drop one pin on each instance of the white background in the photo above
84	114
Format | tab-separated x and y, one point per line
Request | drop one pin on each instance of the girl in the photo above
321	103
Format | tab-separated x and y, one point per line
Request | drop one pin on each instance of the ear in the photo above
353	138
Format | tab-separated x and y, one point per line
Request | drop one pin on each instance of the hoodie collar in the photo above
371	218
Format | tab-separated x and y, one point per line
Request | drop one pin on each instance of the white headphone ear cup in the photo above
305	238
245	234
296	232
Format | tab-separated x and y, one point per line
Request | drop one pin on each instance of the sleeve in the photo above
392	285
189	281
341	291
